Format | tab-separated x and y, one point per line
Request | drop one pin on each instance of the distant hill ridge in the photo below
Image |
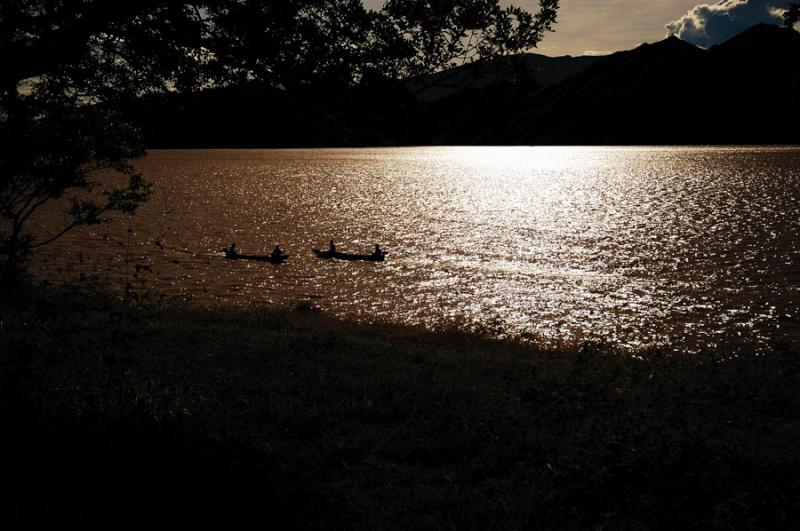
743	91
545	70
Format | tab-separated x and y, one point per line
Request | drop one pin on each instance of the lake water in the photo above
687	247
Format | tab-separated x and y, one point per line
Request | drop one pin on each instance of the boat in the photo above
236	255
349	256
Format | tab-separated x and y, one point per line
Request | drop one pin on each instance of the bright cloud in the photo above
709	24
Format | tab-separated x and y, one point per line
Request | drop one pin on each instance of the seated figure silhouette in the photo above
277	252
332	247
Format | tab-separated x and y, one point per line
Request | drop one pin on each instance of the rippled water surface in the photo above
682	246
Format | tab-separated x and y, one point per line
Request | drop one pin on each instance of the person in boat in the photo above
231	250
377	251
276	252
331	247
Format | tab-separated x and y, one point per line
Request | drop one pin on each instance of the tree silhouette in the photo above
291	44
451	33
294	44
68	69
792	15
71	71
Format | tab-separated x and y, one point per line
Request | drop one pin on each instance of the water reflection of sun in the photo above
515	186
637	245
517	158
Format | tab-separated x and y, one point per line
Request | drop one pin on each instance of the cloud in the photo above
597	53
706	25
709	24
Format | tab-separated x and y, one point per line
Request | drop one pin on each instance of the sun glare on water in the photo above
641	246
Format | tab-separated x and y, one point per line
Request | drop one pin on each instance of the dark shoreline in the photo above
128	417
302	147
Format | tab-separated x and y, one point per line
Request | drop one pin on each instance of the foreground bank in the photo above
126	417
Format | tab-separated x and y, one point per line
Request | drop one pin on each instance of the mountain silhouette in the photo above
743	91
252	116
546	71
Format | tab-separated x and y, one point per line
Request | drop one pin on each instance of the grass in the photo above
123	417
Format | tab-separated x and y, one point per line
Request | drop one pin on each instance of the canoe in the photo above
258	258
349	256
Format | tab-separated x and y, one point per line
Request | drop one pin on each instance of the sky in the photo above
605	26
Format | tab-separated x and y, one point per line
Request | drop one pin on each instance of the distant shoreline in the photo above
427	146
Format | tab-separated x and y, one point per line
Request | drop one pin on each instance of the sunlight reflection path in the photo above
643	246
